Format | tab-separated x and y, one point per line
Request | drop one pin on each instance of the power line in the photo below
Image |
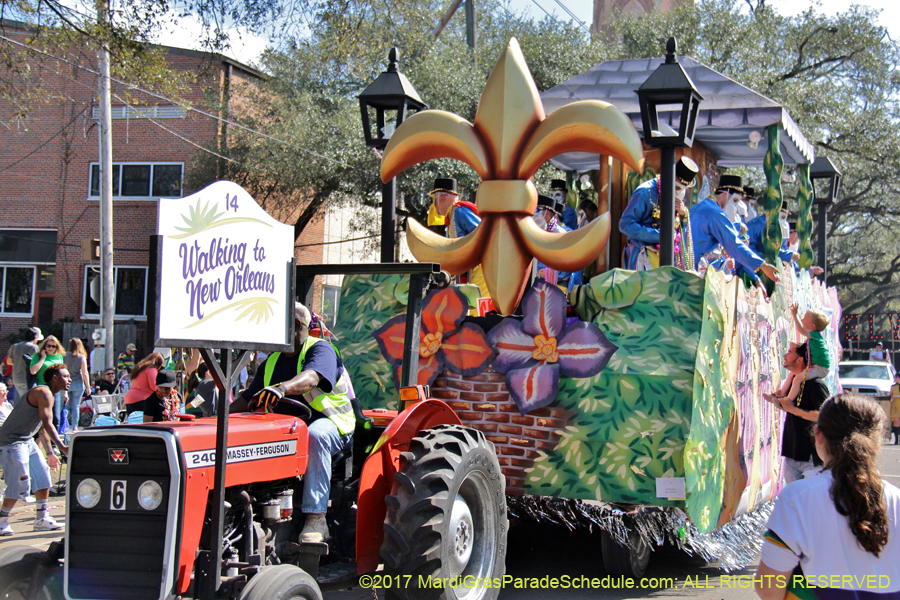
571	14
365	237
47	141
191	108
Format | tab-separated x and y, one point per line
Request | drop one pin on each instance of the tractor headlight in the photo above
150	495
88	493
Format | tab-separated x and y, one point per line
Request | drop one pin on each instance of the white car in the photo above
868	377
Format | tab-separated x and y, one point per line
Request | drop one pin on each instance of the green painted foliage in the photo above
773	166
804	218
632	419
367	301
713	406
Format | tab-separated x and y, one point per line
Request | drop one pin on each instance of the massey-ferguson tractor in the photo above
416	492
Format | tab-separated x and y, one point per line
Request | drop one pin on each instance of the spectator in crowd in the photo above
208	393
143	382
50	352
796	444
109	384
839	527
76	362
24	467
5	406
126	359
879	353
165	402
18	353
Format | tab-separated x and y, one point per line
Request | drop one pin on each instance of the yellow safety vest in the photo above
335	405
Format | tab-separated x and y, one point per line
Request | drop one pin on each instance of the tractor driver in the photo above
312	374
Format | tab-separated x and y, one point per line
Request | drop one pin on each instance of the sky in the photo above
584	9
247	48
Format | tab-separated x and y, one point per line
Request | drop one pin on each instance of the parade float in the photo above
634	409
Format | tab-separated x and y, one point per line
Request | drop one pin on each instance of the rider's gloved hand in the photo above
266	398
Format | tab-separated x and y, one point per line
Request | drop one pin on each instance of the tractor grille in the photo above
117	549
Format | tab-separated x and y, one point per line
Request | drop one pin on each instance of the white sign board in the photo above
224	271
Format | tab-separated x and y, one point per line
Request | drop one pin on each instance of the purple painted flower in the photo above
534	352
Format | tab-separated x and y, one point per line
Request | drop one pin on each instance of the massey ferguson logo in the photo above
118	456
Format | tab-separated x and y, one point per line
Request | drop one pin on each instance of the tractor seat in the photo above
342	462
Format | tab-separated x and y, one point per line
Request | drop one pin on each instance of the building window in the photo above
130	284
141	180
18	290
331	296
27	246
142	112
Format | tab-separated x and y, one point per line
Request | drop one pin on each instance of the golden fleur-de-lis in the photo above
509	141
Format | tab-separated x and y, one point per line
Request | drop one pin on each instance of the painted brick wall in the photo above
483	403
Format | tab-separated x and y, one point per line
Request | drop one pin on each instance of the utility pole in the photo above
107	287
471	26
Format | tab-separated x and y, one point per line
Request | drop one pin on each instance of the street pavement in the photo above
540	551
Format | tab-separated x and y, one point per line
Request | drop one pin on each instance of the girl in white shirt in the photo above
836	535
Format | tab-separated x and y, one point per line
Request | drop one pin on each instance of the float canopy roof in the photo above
729	112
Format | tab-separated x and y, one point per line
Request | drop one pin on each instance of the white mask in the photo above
742	208
557	196
680	192
731	211
582	219
794	248
785	226
539	219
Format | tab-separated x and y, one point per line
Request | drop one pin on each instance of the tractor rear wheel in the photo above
630	560
17	566
281	582
446	521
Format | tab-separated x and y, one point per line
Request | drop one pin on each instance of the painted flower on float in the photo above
535	351
444	339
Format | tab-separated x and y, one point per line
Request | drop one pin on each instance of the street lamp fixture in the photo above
670	91
826	180
391	98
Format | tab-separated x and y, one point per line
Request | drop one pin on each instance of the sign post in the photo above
224	275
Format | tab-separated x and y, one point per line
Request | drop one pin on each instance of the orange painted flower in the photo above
545	349
444	339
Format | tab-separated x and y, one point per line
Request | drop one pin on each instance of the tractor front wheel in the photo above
18	564
446	521
281	582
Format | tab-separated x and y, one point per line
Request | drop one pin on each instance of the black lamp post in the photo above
826	180
668	90
391	97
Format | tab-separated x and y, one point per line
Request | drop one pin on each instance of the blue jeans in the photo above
59	401
324	442
76	391
24	469
794	469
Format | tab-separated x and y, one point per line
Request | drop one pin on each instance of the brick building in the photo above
49	198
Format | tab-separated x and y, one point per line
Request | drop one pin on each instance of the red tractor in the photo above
416	491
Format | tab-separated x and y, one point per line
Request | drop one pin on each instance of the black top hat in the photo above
749	193
444	184
730	182
686	171
558	184
165	378
547	202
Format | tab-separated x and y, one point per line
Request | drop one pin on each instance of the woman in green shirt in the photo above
50	352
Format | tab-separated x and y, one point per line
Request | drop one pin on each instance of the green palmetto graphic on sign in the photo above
259	309
206	217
